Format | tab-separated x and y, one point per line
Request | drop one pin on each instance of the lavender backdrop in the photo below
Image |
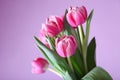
20	20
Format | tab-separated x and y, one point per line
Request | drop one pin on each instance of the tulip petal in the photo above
76	16
66	46
70	19
53	26
39	65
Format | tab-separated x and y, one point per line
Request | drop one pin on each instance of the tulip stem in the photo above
81	33
70	64
84	53
51	70
85	62
79	41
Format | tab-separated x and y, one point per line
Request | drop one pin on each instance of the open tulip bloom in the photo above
64	43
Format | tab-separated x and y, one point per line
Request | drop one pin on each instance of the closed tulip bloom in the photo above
66	46
76	16
39	65
53	25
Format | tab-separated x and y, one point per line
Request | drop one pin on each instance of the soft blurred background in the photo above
20	20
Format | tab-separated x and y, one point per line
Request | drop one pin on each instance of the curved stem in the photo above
70	64
51	70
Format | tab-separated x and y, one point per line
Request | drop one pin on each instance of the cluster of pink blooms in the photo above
65	45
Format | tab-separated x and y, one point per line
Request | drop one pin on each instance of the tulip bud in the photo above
53	25
66	46
39	65
76	16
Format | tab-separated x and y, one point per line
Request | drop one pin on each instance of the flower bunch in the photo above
64	43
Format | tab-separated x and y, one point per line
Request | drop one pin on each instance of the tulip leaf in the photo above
49	60
51	54
77	63
88	23
69	76
97	74
66	76
49	40
58	62
91	62
57	67
88	29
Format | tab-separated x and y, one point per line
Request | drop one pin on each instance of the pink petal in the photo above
70	19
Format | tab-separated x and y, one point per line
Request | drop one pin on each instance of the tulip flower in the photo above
53	25
42	37
66	46
76	16
39	65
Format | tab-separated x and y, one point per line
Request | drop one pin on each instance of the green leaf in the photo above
85	42
45	56
51	54
88	29
77	63
57	61
66	76
97	74
51	42
91	62
69	76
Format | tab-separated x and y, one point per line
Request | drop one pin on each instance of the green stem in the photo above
85	62
51	70
78	41
81	33
70	64
80	28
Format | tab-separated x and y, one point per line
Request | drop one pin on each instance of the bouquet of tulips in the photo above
65	45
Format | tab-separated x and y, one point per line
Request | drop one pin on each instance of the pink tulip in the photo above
76	16
42	37
66	46
39	65
53	25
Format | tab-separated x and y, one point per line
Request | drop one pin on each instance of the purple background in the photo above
20	20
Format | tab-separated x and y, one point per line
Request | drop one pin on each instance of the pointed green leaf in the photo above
85	42
58	62
69	76
50	42
91	62
97	74
88	29
66	76
51	54
45	56
77	63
